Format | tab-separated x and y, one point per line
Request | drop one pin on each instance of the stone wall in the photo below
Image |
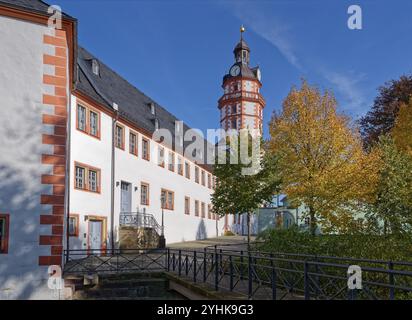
138	237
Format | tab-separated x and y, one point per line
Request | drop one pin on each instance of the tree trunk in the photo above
312	220
248	231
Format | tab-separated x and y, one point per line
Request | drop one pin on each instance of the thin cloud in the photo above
271	29
347	85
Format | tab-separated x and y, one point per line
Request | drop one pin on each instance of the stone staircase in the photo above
125	287
132	237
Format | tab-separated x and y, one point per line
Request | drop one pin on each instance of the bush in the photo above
293	240
372	247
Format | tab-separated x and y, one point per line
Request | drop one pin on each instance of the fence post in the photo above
306	281
187	264
216	270
250	283
204	264
174	261
168	259
194	266
180	262
241	265
231	272
221	271
391	281
273	277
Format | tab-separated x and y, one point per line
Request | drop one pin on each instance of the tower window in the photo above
234	109
234	124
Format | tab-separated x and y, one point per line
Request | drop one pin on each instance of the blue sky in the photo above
177	51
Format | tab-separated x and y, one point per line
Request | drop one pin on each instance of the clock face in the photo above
235	70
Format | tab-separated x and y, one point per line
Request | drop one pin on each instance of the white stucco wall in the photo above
134	170
21	89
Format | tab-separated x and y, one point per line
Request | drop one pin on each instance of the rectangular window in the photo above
196	174
203	210
196	208
171	161
180	166
145	149
94	123
133	143
203	178
73	225
209	211
80	178
144	194
4	233
161	156
168	199
119	137
88	120
87	178
209	181
93	183
81	118
187	205
187	170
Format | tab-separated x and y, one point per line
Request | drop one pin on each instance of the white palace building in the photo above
79	156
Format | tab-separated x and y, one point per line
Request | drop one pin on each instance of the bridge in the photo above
242	274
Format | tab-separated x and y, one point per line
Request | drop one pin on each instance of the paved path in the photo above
232	242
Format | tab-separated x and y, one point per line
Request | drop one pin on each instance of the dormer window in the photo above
156	124
95	67
152	109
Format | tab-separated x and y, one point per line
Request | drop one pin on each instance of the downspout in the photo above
67	178
115	107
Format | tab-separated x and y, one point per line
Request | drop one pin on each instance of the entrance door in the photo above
95	235
126	197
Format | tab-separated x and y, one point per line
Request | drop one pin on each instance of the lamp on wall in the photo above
117	183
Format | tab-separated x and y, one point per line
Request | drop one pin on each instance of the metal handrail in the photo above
254	275
140	219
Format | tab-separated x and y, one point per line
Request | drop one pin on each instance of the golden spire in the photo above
242	29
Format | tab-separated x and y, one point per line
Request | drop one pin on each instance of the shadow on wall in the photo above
20	190
201	231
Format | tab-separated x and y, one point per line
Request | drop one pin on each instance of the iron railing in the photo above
100	261
139	219
257	275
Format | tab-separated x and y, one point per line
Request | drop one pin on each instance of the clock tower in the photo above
241	106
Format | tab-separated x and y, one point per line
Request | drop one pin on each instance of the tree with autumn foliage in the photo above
382	117
402	131
322	163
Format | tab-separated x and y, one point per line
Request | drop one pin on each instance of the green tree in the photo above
391	212
238	190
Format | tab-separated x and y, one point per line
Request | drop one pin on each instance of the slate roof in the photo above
241	45
36	6
108	87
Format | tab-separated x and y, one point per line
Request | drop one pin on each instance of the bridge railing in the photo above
256	275
291	276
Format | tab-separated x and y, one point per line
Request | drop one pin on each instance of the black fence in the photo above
257	275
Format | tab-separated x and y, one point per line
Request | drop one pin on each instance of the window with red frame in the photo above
4	233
